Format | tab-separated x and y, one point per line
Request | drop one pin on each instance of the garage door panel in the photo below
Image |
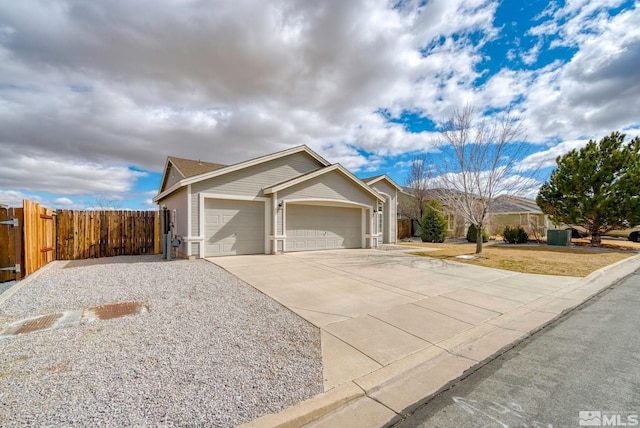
312	227
233	227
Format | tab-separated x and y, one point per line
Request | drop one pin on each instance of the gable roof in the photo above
194	166
317	173
189	167
510	204
375	179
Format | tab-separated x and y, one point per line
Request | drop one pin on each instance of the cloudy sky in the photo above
95	94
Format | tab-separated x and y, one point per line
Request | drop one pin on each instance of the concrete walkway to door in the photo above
376	308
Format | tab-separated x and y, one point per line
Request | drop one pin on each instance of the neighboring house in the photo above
513	211
505	210
408	208
293	200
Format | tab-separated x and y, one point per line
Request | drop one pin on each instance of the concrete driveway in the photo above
387	309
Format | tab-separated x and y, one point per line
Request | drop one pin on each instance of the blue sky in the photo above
95	95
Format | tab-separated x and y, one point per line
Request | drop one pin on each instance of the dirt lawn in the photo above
533	258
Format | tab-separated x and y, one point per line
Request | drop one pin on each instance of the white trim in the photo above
363	227
306	177
167	192
253	162
164	173
204	196
284	225
236	167
274	222
316	201
385	177
189	219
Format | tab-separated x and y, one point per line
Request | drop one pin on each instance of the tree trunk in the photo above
479	240
596	239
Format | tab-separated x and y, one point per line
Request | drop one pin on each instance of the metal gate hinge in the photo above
15	268
13	222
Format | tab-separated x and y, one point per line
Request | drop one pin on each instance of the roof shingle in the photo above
191	168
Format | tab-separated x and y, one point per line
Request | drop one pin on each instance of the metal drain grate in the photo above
75	317
115	310
40	323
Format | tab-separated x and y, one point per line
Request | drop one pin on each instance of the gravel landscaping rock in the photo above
212	351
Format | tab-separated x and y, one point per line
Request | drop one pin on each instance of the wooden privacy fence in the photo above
32	236
38	237
11	262
404	228
92	234
27	240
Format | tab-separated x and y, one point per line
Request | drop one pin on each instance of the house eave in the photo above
335	167
167	192
253	162
385	177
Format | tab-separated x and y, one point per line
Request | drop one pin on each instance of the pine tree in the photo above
597	187
433	227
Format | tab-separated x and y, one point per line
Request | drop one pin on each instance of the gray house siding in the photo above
177	204
333	185
390	223
249	182
173	176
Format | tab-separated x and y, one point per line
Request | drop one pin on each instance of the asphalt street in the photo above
583	370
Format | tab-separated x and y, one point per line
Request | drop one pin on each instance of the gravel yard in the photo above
211	351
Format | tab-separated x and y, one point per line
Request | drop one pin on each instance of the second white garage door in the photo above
233	227
313	227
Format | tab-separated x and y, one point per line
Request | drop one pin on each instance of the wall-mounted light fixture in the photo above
280	204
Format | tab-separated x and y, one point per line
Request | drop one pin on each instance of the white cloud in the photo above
92	88
14	198
65	177
598	90
547	158
531	56
111	81
63	201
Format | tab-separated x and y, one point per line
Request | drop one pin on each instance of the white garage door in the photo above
312	227
233	227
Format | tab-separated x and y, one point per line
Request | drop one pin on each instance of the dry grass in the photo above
531	258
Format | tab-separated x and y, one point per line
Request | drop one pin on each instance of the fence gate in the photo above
10	244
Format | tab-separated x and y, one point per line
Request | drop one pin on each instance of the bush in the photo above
433	227
472	234
515	235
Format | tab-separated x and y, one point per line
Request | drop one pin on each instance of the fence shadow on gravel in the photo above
151	258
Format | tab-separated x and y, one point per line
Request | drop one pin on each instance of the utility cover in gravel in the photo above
211	350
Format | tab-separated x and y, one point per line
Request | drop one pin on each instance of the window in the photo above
380	218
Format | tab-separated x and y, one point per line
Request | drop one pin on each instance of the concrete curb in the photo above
414	367
614	272
19	284
311	409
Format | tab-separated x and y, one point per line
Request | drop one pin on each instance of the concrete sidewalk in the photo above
396	328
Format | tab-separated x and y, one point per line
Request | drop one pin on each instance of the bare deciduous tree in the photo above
106	204
480	162
417	181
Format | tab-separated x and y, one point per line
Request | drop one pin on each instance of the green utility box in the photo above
559	237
